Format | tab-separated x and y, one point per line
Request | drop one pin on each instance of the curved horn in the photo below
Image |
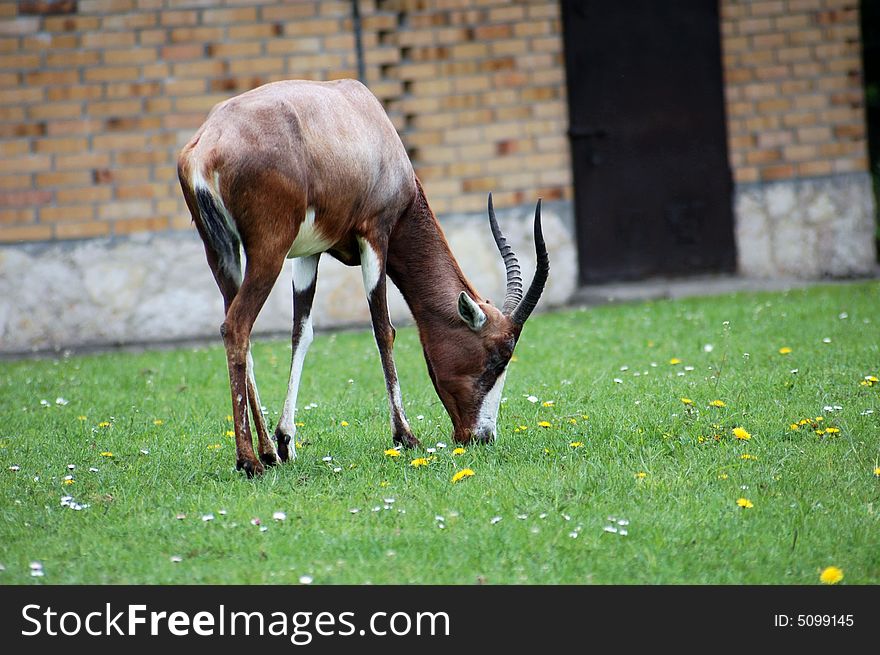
514	292
522	311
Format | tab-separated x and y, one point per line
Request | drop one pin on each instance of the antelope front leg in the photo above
305	272
373	269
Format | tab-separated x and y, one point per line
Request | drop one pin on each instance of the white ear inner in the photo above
476	318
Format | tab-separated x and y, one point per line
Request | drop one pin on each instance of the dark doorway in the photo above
652	180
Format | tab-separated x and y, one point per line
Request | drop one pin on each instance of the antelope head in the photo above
469	367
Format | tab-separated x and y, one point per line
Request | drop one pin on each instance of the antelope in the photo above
294	169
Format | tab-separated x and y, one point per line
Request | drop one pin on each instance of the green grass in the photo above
816	498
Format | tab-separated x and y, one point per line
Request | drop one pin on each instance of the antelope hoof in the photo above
270	459
250	467
407	440
282	442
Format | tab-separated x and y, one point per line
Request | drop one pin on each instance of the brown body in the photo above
294	169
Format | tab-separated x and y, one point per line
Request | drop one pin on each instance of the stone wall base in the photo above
808	228
158	288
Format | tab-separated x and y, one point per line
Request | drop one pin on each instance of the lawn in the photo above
612	466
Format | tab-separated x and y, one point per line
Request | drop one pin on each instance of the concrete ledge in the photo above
707	285
157	288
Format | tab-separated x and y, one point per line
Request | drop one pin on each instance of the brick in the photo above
111	73
132	226
814	168
15	182
71	213
125	209
234	50
46	7
25	233
84	160
134	21
16	216
71	127
88	194
62	144
63	179
82	58
130	56
287	12
78	92
26	163
81	230
19	26
25	198
116	108
71	23
108	40
783	172
229	16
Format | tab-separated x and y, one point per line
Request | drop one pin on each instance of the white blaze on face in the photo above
487	417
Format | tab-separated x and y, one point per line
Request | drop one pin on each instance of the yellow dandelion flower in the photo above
641	475
82	418
418	461
745	503
229	418
67	481
392	452
106	453
230	433
458	451
723	476
718	403
461	475
794	426
573	421
344	424
215	446
820	432
585	416
741	434
576	444
104	424
747	456
300	424
384	483
877	471
785	350
548	403
158	421
674	361
701	439
831	575
545	424
819	419
687	401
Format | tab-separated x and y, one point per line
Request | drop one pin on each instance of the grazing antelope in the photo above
293	169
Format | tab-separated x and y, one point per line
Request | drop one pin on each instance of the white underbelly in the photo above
309	240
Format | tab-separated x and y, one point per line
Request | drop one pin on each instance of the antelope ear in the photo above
470	312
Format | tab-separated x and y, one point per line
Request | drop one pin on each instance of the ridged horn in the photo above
514	293
542	269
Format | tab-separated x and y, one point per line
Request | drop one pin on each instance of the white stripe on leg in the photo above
286	423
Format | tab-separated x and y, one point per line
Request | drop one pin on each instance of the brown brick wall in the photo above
795	102
97	97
